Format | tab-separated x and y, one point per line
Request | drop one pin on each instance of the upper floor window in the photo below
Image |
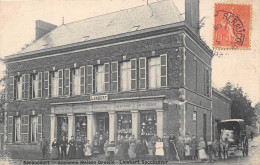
57	83
157	71
19	88
17	129
37	85
100	79
76	82
128	75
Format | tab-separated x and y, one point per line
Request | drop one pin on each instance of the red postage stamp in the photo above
232	26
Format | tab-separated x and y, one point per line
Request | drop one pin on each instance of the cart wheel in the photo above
245	147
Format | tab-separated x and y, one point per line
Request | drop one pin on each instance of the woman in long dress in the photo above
80	147
55	153
88	151
132	150
193	147
201	148
72	148
159	152
180	147
187	146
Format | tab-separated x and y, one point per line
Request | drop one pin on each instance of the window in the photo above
33	129
124	125
57	83
76	82
67	82
37	85
158	71
206	82
194	116
82	80
133	74
17	132
142	73
18	86
125	76
100	79
12	88
24	128
90	79
25	86
10	129
114	76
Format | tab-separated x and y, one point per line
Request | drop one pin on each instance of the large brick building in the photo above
140	71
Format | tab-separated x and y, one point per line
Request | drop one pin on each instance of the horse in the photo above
226	137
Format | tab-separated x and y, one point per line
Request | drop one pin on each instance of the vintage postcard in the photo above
129	82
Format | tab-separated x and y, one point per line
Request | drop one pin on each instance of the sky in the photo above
240	67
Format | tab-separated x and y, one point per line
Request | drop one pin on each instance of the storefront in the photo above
114	119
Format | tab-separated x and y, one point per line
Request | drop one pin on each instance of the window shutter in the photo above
82	80
60	72
39	128
11	91
24	128
10	129
107	77
163	70
25	86
114	76
142	73
46	84
40	84
90	79
67	82
133	74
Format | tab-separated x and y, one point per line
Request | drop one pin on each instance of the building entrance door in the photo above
102	120
62	127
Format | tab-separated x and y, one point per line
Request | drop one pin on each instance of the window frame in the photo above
10	127
114	81
107	83
26	125
165	69
135	72
91	82
144	68
82	76
46	89
67	86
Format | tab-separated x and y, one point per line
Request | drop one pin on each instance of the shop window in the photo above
36	85
57	83
100	79
62	129
81	125
158	71
148	125
124	125
17	127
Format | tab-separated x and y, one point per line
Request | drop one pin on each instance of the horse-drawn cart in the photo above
233	136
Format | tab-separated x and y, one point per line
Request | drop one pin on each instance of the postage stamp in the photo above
232	26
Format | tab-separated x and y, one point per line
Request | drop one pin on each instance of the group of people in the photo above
130	148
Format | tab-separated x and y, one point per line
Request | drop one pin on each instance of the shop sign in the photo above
125	105
101	107
99	98
150	104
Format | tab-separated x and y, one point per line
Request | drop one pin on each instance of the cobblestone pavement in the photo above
236	159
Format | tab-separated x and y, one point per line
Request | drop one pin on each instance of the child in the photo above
159	152
88	151
187	148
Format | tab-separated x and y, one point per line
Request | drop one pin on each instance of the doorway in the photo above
102	119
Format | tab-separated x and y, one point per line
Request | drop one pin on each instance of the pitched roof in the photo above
138	18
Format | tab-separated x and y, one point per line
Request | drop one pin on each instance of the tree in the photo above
240	104
2	95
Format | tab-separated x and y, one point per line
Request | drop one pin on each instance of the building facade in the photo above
127	76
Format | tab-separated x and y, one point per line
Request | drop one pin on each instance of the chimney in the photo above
192	15
43	28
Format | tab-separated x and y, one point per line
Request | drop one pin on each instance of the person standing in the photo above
125	147
202	148
159	152
102	141
193	147
139	150
88	151
180	147
172	147
79	150
72	148
55	153
187	146
132	150
44	147
63	147
165	141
